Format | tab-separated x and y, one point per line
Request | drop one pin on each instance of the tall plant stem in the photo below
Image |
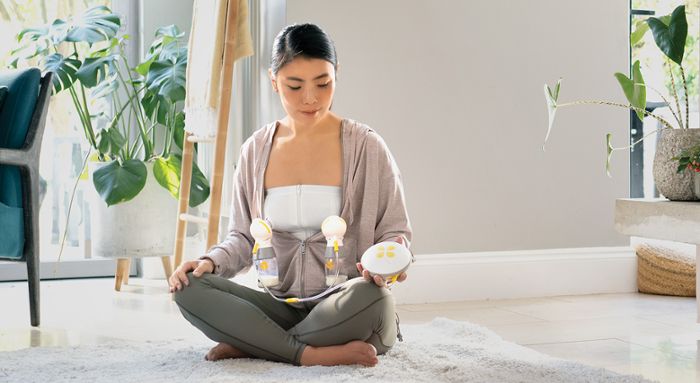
675	91
144	135
641	139
70	207
86	109
685	89
673	112
597	102
83	120
139	108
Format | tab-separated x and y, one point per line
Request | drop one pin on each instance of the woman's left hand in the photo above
378	280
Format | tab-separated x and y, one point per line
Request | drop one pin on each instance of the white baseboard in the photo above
518	274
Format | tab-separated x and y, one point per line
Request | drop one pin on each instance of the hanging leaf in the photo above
167	172
551	98
64	70
171	31
33	34
95	24
106	49
58	31
120	183
671	38
179	131
110	140
97	69
156	107
167	77
106	87
142	68
635	90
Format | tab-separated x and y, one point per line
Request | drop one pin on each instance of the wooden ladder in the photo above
219	141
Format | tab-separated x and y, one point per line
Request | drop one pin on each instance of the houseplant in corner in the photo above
131	116
670	35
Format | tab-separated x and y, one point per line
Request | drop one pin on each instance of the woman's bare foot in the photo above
355	352
224	351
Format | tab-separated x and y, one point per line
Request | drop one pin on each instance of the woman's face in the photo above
306	87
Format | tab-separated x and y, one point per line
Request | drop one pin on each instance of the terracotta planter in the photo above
671	184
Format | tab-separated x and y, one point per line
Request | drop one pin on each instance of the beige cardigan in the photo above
373	207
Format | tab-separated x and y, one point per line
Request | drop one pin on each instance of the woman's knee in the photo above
369	291
193	290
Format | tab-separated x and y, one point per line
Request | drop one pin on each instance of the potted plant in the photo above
140	117
670	35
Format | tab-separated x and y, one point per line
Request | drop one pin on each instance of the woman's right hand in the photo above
178	280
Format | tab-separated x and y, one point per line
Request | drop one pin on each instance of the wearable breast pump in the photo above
265	259
263	254
333	229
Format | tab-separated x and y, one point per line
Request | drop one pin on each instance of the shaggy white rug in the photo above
440	351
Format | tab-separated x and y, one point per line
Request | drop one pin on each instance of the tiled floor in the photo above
631	333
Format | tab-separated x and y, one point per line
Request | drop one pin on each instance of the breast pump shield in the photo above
264	255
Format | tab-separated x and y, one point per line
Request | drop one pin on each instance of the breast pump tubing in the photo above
333	228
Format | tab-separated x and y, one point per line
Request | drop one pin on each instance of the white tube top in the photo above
300	209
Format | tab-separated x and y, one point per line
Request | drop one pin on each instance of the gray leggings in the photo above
255	323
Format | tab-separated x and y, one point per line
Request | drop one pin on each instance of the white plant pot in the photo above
141	227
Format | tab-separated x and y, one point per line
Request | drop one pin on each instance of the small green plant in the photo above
689	159
670	35
140	105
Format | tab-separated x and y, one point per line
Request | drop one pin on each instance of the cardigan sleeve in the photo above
392	215
234	253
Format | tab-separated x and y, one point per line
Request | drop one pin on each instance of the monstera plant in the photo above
141	108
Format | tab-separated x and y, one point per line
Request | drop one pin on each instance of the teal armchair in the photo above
24	96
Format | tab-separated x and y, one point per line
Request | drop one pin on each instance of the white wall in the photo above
455	88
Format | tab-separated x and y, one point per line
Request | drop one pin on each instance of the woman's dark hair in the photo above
305	40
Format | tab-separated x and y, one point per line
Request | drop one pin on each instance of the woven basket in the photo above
665	271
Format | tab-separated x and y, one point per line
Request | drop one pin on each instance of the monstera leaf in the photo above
167	77
95	24
97	69
117	182
165	47
110	140
179	131
64	70
167	173
634	89
671	38
156	107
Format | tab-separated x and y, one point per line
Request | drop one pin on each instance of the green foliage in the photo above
671	37
689	159
634	89
120	182
87	57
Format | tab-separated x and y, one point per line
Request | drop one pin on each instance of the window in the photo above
63	152
655	71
